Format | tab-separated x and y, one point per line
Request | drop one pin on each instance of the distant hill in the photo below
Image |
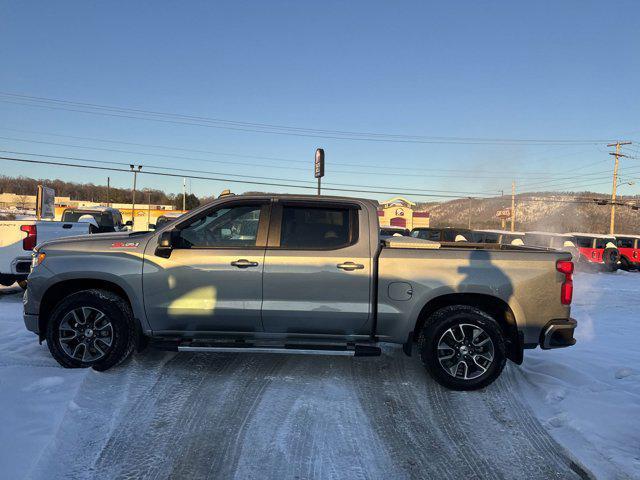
547	211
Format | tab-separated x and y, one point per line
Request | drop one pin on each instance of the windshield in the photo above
103	219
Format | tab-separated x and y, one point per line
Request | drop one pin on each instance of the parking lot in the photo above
164	415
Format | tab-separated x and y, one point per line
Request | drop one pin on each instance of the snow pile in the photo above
588	396
34	391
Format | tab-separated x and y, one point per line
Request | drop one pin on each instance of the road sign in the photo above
45	202
506	213
319	164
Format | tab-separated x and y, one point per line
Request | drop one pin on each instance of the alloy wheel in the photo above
85	334
465	351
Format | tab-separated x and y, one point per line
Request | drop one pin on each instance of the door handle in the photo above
243	263
350	266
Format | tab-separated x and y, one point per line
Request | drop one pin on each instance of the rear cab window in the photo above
584	242
318	227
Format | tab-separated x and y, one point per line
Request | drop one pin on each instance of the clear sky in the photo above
567	70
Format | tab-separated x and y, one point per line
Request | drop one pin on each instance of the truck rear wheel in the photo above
462	347
91	328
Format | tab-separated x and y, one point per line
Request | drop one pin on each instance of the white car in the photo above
19	237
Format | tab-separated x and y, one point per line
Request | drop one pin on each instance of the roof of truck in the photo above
622	235
300	197
535	232
592	235
503	232
98	208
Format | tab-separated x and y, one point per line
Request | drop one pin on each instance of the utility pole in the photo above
148	206
184	194
133	193
617	154
469	208
108	188
513	206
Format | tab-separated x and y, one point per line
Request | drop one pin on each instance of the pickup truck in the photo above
107	219
19	237
314	277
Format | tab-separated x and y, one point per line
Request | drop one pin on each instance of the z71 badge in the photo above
125	244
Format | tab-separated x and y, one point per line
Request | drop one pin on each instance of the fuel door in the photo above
401	291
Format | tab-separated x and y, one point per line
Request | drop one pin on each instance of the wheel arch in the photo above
63	288
494	306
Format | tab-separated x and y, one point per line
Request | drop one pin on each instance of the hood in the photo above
96	238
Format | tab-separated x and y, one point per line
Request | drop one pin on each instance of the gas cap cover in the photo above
401	291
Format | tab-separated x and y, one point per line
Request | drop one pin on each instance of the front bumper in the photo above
31	322
558	334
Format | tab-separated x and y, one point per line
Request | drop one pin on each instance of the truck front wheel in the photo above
91	328
462	347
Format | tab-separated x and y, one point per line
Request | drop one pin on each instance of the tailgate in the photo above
51	230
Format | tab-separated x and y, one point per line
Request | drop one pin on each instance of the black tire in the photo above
625	264
610	258
7	280
439	328
121	331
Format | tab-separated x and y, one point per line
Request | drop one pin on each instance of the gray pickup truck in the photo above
298	274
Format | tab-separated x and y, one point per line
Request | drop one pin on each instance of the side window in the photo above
625	242
584	242
317	227
427	234
235	226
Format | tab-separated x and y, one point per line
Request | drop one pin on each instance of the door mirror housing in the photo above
128	223
165	243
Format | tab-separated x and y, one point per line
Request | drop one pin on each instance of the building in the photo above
399	212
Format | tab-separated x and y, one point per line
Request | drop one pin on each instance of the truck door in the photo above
212	279
317	269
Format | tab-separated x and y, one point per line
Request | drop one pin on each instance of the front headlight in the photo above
37	258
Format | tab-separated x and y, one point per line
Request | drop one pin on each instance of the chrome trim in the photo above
554	327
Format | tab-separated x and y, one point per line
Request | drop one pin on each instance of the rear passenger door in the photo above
317	269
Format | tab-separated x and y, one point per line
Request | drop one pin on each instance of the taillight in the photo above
29	242
566	290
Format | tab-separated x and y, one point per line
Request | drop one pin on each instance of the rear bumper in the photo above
558	334
21	266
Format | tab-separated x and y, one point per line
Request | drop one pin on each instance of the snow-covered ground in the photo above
588	396
337	413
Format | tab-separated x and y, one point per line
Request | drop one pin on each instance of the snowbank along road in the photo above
163	415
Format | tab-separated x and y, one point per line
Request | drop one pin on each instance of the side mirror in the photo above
165	244
128	223
152	226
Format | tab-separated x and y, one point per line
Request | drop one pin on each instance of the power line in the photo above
255	127
228	180
278	159
355	172
147	166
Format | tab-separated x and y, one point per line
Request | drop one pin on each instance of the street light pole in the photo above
148	207
133	193
513	206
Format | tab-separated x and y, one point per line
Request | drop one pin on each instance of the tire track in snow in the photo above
268	416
